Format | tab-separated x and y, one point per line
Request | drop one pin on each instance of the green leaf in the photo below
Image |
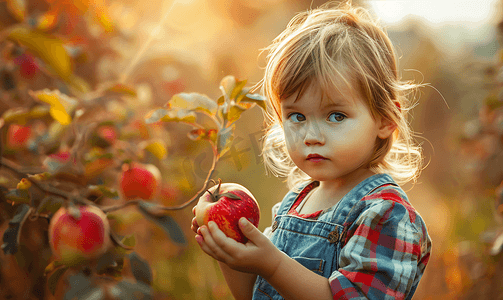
193	101
255	98
140	268
224	139
12	234
52	281
234	113
238	88
157	215
110	264
118	241
49	49
52	266
129	240
18	196
171	115
50	204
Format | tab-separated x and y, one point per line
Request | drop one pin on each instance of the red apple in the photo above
17	136
225	204
74	241
27	65
139	181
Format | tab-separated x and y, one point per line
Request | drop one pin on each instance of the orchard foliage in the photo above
73	145
481	144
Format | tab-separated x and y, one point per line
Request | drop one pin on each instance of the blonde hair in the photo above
327	45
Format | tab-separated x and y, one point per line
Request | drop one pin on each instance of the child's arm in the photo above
260	256
386	251
240	284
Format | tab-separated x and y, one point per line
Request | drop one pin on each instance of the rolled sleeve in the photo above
382	254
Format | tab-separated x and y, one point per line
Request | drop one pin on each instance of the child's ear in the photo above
386	128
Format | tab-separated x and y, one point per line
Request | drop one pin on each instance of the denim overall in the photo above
315	243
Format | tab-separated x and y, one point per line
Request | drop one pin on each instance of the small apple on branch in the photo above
225	204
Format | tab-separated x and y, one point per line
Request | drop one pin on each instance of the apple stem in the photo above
218	187
213	198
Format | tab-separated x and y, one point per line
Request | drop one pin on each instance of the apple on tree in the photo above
139	181
77	240
225	204
17	136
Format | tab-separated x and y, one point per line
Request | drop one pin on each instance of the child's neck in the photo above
330	192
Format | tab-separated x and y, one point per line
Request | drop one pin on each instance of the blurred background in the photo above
164	47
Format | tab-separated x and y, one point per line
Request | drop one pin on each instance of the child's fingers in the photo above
213	247
194	210
202	243
251	232
194	225
228	245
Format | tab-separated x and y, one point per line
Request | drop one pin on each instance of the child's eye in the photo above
336	117
296	117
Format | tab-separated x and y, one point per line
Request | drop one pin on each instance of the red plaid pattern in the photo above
386	249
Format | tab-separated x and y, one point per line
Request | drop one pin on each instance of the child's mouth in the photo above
315	158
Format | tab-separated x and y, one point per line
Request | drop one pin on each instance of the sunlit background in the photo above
164	47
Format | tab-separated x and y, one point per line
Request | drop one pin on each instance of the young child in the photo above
338	131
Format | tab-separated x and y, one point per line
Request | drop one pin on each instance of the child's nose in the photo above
314	135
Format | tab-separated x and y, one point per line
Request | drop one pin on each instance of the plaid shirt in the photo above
386	250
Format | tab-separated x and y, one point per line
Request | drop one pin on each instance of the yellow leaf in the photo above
157	149
228	83
234	113
49	49
24	184
17	8
18	115
193	101
122	89
179	115
79	84
39	111
61	104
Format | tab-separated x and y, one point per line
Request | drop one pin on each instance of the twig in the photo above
47	189
201	191
178	207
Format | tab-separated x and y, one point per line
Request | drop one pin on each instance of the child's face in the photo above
343	132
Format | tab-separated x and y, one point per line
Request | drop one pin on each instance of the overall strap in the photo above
349	207
290	198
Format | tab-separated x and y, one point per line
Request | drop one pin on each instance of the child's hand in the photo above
194	225
257	256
